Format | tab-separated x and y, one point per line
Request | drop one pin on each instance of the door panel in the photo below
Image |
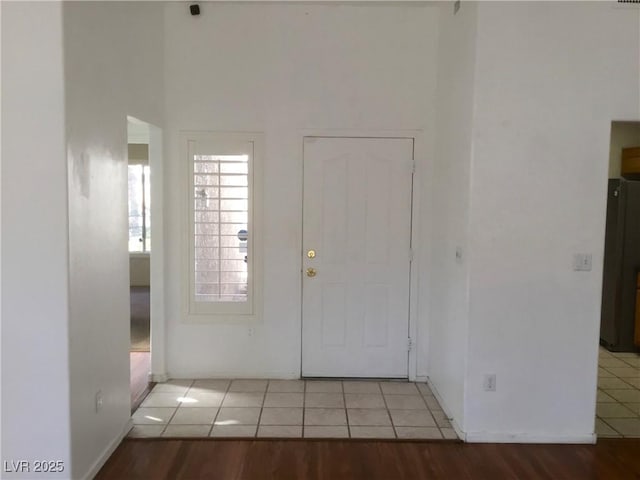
357	219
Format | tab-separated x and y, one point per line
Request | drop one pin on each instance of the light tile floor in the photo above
291	409
618	401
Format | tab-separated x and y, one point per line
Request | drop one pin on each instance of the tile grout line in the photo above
603	419
622	359
611	427
346	412
176	410
431	412
184	395
304	406
213	424
616	401
264	397
393	426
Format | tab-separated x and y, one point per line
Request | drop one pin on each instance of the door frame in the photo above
419	156
157	264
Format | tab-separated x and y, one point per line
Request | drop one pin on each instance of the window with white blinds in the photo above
222	266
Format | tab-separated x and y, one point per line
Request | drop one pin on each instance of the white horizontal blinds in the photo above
221	226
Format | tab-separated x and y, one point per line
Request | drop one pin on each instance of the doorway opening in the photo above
139	247
618	396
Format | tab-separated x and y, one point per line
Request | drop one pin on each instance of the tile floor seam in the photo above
255	435
170	418
224	395
433	417
346	412
611	427
344	401
304	405
393	426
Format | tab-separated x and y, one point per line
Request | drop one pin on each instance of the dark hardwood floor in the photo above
368	460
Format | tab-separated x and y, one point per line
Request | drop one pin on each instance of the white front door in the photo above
357	222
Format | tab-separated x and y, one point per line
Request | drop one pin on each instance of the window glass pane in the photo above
206	228
234	205
234	181
234	192
207	217
139	208
234	168
206	179
234	217
221	212
147	208
135	208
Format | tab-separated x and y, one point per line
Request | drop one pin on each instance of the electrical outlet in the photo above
459	254
98	401
489	383
582	262
250	331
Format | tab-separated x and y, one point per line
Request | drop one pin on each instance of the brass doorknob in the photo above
311	272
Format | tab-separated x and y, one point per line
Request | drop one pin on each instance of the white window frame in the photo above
222	143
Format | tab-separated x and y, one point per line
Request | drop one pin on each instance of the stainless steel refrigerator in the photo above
621	265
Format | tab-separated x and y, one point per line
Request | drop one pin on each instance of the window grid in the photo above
220	187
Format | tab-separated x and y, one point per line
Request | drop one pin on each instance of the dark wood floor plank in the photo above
617	450
336	460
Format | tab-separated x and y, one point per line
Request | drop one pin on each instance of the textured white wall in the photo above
279	69
448	210
550	78
113	68
35	309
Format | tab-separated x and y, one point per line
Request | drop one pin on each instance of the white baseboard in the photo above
500	437
102	459
504	437
244	375
158	377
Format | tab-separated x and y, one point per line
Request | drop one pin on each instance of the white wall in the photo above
113	68
35	365
550	78
446	296
278	69
623	135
